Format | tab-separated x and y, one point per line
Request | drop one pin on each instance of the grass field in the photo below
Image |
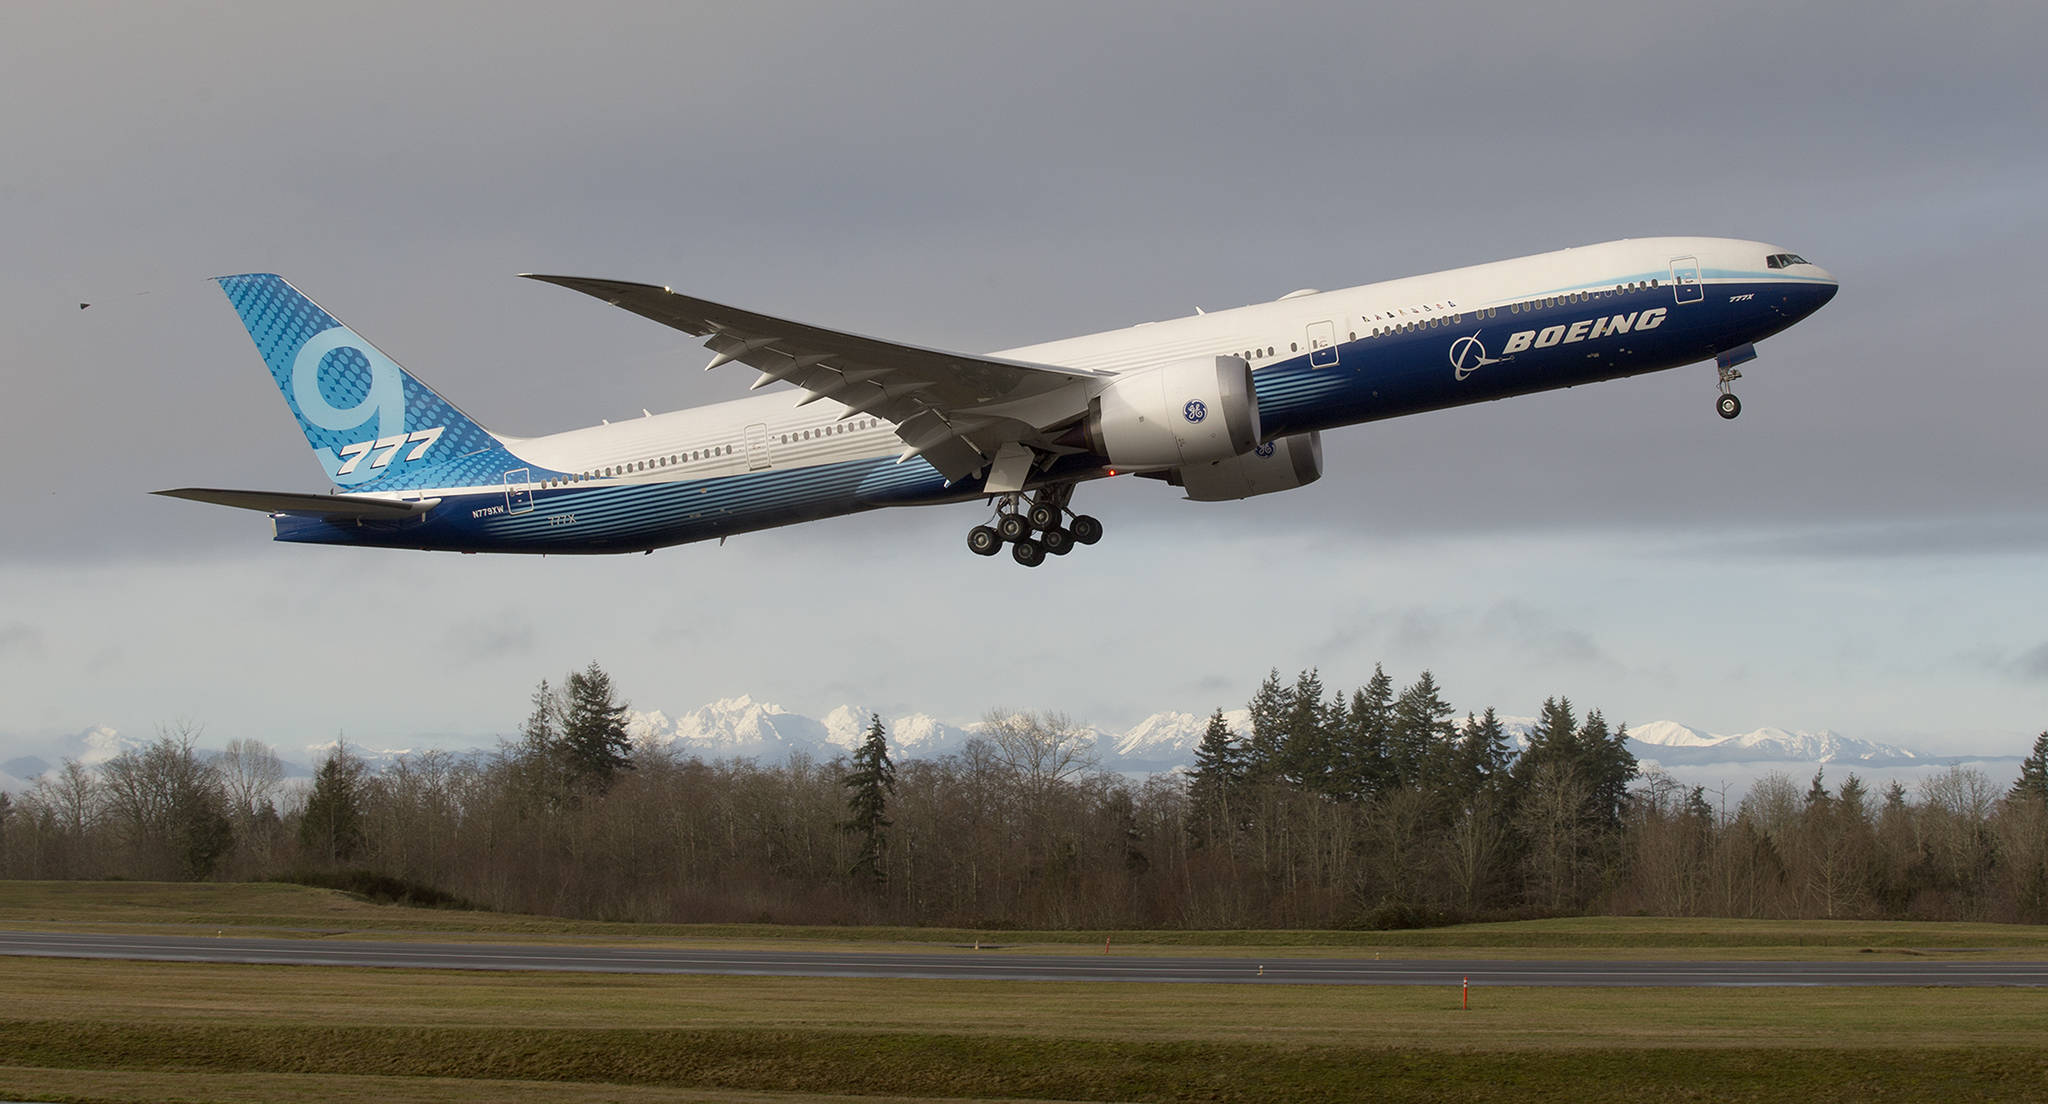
118	1031
276	909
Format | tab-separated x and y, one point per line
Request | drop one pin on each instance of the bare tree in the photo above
1551	819
250	774
166	807
1044	749
75	796
2022	832
1955	813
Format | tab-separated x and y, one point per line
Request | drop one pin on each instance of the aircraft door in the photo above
519	491
1685	280
1322	344
755	442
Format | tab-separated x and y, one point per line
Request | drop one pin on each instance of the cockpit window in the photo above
1784	260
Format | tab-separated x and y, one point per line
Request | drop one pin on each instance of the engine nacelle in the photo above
1282	465
1184	412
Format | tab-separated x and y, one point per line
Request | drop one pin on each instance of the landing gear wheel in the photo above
1085	529
984	541
1013	527
1044	516
1028	552
1057	541
1728	406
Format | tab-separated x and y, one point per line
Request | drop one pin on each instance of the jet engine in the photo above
1281	465
1183	412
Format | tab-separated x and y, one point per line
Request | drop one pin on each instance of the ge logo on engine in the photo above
1195	410
1265	449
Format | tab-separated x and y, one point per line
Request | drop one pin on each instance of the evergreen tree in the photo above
1218	773
594	745
332	826
1607	766
1483	752
1855	798
1219	758
1364	741
1305	746
1553	740
871	782
2033	780
1264	754
537	762
1422	735
539	732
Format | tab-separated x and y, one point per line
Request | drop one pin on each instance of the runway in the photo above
1018	966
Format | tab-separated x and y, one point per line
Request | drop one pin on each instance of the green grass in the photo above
293	910
135	1031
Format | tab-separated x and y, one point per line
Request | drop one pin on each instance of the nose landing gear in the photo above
1728	406
1016	521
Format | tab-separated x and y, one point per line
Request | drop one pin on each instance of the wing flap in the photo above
339	507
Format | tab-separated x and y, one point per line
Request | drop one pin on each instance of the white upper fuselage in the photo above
707	441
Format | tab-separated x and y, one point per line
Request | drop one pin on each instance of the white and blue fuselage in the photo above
1317	360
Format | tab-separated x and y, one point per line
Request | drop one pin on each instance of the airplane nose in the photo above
1826	291
1809	294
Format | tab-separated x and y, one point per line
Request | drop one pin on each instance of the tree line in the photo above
1375	807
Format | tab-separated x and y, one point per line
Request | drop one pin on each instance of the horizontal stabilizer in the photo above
345	507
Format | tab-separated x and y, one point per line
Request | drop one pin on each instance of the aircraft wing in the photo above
946	405
338	507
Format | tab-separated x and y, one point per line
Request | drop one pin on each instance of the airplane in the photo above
1223	405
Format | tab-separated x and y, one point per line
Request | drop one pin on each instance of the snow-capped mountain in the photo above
1165	741
741	727
1668	743
100	743
735	728
913	735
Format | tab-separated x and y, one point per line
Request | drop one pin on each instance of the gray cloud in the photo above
505	635
20	640
2034	664
1987	535
1541	639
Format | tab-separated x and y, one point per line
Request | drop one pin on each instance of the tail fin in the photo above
372	424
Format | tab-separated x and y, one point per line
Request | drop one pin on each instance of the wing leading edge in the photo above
956	410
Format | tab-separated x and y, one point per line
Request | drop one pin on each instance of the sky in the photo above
1863	550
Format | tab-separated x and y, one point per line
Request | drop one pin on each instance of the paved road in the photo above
985	965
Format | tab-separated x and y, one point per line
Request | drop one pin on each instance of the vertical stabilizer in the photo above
373	426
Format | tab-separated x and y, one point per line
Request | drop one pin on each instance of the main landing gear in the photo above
1018	517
